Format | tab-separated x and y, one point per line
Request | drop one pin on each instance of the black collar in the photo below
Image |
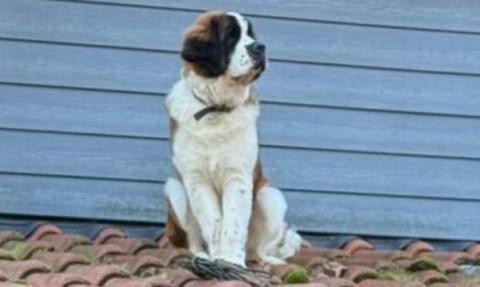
209	108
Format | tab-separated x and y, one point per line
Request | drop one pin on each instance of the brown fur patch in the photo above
176	235
249	77
201	27
259	180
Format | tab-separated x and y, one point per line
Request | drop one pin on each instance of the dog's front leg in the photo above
205	205
237	209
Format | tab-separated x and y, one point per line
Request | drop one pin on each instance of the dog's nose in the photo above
256	50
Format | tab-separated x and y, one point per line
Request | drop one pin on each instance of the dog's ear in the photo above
203	46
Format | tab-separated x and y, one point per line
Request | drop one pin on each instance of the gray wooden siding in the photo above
370	116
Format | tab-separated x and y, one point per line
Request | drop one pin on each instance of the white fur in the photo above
240	61
215	157
270	239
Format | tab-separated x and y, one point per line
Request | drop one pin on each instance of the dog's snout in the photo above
256	50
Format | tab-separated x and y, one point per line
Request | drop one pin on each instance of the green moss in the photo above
86	251
20	281
6	255
22	251
397	275
296	277
423	264
150	272
438	278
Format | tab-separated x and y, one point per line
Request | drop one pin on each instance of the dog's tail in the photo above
290	244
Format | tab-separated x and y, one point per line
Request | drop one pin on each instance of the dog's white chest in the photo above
216	143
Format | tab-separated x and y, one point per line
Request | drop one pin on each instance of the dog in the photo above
220	206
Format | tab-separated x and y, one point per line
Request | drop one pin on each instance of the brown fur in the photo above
201	27
249	77
176	235
259	180
202	31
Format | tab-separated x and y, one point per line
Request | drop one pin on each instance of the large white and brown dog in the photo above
220	205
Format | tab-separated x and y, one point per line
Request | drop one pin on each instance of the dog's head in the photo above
224	44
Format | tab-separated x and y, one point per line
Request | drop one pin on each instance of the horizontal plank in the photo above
135	159
384	216
314	212
81	198
149	160
72	110
137	115
155	72
461	15
327	43
86	67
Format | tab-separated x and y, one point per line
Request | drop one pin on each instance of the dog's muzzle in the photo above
256	51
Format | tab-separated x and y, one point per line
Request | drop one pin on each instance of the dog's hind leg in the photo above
270	239
181	220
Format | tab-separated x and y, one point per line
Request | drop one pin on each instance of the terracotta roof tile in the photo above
23	250
217	284
431	276
9	236
137	282
3	276
65	242
99	274
57	280
108	233
167	256
419	247
43	230
98	252
139	265
359	273
454	257
382	255
331	254
61	261
386	283
355	245
11	284
474	251
131	246
376	264
308	261
336	282
22	269
50	257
